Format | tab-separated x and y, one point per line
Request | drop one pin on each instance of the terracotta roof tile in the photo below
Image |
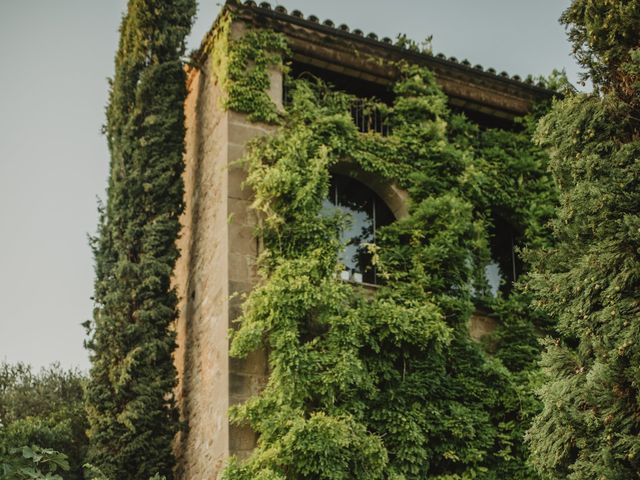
343	28
312	21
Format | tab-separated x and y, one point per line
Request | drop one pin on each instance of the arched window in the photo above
367	213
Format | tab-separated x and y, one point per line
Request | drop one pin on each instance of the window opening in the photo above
366	118
366	213
505	266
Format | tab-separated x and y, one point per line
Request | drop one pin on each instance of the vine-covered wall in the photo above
389	386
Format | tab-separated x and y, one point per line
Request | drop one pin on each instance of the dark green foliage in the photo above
43	409
606	41
390	386
130	402
32	463
589	282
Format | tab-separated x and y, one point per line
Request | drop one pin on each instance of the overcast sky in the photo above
55	57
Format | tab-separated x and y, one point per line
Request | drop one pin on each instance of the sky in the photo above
55	59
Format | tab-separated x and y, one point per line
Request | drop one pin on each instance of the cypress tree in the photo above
590	281
129	398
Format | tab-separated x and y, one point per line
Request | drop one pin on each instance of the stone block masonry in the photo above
217	265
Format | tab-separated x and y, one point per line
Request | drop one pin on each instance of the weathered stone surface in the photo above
201	280
481	325
244	385
254	364
217	266
242	438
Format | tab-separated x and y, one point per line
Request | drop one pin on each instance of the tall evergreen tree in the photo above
590	282
130	405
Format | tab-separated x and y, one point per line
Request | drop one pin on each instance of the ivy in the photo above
389	386
250	59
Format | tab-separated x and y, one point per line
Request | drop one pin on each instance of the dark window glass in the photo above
505	267
366	213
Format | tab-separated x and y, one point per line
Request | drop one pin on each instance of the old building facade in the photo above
218	244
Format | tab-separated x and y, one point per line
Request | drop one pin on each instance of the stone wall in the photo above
201	279
217	266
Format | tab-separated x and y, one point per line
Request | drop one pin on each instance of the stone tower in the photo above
218	245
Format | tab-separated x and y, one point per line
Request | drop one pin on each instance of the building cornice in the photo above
349	52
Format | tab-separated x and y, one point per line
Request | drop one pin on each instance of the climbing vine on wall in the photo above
248	74
242	68
390	385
